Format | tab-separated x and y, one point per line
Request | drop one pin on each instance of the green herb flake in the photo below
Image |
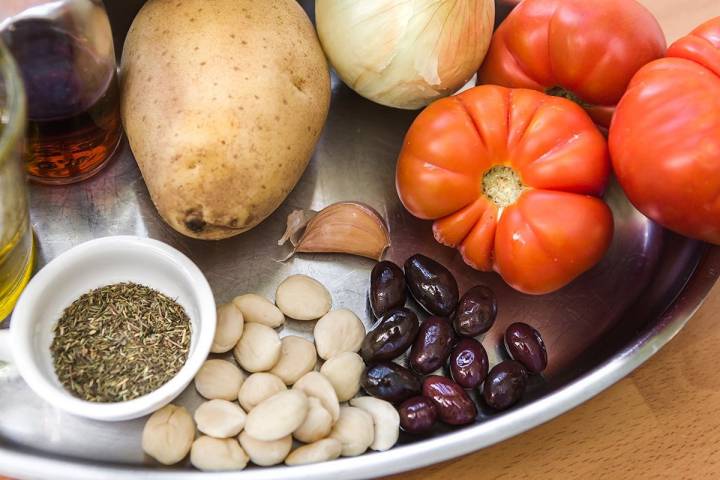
119	342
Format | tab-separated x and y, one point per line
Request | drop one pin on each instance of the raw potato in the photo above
337	332
386	421
222	103
314	384
215	454
354	430
320	451
220	418
258	387
168	434
266	454
278	416
258	309
229	328
303	298
317	424
258	349
219	379
297	357
344	372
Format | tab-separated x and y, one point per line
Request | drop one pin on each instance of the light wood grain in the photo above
661	422
678	17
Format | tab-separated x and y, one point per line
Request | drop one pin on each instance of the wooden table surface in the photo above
663	421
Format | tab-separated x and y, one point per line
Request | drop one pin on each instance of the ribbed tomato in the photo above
512	179
587	50
665	136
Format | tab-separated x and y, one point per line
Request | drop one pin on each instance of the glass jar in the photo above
66	57
17	250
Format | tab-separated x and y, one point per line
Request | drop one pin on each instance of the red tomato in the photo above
587	50
511	178
665	137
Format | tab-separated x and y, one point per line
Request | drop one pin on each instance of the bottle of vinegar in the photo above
67	61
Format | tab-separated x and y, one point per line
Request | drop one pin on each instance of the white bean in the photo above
216	454
258	309
386	421
354	430
303	298
219	379
229	328
168	434
344	371
337	332
314	384
320	451
258	387
258	349
297	357
266	454
278	416
317	424
220	418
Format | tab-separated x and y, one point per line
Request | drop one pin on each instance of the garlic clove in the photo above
344	227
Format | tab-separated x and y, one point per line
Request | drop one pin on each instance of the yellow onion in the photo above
405	53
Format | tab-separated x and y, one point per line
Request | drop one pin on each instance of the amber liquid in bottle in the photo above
73	104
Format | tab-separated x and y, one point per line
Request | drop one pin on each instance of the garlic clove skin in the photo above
296	222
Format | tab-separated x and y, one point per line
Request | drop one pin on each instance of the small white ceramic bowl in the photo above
94	264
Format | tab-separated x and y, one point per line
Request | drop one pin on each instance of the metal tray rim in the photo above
420	454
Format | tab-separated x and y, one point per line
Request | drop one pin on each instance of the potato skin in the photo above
222	102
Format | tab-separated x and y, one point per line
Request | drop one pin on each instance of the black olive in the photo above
432	345
432	285
391	336
390	381
525	345
505	384
387	288
476	312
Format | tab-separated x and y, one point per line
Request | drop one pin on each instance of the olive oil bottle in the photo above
17	251
17	256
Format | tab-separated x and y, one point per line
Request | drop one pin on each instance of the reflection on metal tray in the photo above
597	329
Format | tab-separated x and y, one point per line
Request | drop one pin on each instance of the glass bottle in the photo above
16	238
65	53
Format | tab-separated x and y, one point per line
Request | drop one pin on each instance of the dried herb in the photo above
119	342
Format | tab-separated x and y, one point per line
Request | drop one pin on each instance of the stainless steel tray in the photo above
597	330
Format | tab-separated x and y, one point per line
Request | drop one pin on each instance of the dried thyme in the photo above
119	342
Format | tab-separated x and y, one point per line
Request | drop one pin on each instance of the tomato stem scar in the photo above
561	92
502	185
